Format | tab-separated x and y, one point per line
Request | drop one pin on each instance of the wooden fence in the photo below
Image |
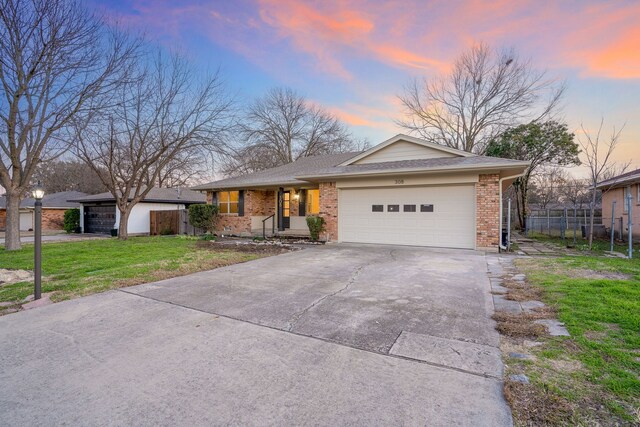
171	222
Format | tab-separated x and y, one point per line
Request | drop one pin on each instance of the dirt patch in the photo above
567	366
593	274
246	247
8	277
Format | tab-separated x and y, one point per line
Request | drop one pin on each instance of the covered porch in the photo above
275	211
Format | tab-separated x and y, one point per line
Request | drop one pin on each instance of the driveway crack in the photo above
296	317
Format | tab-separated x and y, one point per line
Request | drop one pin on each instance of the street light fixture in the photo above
38	193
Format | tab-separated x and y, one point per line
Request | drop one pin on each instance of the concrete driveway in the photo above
333	335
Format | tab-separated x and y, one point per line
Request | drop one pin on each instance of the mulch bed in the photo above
246	247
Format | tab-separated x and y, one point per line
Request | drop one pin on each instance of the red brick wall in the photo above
53	219
488	211
329	209
256	203
3	219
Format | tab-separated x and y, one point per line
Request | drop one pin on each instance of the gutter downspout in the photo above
504	248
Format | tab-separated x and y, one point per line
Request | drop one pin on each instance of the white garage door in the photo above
440	216
26	221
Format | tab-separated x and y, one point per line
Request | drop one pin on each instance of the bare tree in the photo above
283	126
597	151
576	192
485	93
68	175
55	59
547	185
164	113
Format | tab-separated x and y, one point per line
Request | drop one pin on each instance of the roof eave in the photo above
517	166
408	138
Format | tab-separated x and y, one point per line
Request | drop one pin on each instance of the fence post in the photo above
548	223
629	224
508	224
563	224
613	223
575	225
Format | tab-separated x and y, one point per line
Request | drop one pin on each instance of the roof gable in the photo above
404	147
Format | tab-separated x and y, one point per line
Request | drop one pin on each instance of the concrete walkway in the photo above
64	237
335	335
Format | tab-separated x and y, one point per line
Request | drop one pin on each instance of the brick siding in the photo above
488	211
256	203
53	219
329	209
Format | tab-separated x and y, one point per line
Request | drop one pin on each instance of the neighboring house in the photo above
404	191
53	207
98	213
616	189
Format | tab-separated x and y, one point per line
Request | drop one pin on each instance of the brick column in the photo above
488	212
329	209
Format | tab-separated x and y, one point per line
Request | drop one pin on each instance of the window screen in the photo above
393	208
377	208
409	208
426	208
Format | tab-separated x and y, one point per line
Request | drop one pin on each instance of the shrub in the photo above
207	237
167	231
71	220
316	225
203	216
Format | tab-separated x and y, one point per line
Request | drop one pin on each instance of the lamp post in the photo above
38	194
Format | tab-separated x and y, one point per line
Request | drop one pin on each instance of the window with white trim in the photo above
228	202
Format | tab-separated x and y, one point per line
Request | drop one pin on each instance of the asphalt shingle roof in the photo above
625	178
156	195
53	200
318	166
417	164
281	175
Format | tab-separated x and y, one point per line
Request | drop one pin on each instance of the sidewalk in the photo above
58	237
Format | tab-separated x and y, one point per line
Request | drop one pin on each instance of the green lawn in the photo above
84	267
598	299
600	246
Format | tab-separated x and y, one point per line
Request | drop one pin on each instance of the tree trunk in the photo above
12	232
591	212
123	233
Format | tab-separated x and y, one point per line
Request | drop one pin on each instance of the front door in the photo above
284	209
286	206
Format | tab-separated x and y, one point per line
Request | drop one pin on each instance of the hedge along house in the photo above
404	191
53	207
99	214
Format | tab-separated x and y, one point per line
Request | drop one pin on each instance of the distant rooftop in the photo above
50	201
620	180
156	195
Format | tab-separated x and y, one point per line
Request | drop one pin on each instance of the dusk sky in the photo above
354	57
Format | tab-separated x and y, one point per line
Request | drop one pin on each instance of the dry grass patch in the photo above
534	407
518	325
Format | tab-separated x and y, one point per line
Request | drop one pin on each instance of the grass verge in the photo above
592	377
72	269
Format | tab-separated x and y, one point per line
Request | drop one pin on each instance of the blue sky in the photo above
354	57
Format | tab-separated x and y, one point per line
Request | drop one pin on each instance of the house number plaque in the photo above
399	181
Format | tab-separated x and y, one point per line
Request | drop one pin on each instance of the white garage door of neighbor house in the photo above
439	216
26	221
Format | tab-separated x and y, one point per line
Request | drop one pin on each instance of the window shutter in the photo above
302	203
241	203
